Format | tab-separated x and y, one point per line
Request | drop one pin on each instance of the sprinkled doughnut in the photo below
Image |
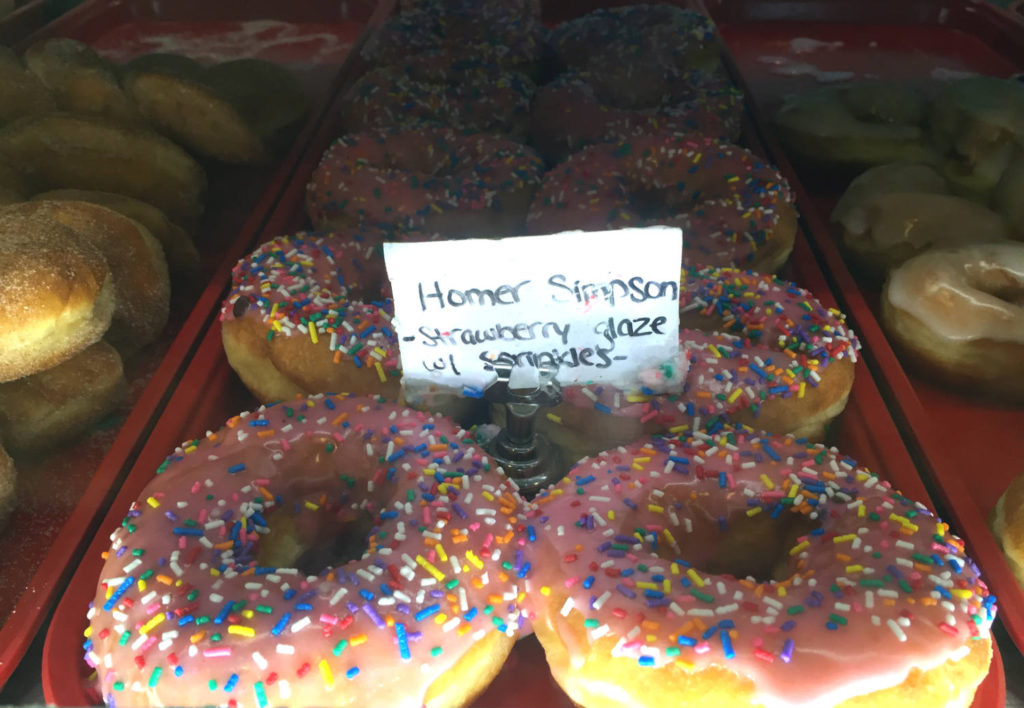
734	209
957	315
429	180
326	551
475	99
577	109
754	349
291	325
740	569
641	50
505	34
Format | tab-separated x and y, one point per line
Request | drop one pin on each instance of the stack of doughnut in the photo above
81	285
325	551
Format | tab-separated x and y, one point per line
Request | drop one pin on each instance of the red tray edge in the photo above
927	446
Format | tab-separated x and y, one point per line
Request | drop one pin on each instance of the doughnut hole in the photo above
337	533
722	541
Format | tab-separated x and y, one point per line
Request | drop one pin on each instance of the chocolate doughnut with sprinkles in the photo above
326	551
754	349
430	180
734	209
578	109
742	569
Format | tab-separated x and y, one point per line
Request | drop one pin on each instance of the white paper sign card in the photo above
602	306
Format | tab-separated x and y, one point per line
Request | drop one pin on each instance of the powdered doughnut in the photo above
415	95
958	315
754	349
641	50
431	180
8	487
502	34
45	410
740	569
142	288
56	295
228	582
734	209
578	109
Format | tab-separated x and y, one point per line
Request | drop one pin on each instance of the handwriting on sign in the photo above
609	308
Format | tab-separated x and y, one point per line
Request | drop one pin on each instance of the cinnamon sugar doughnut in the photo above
754	349
640	50
958	315
734	209
142	288
8	487
229	569
741	569
578	109
56	295
475	99
428	180
52	407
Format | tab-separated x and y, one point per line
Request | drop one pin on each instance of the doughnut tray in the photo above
209	393
61	497
968	449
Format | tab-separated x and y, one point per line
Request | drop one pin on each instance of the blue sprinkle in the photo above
236	468
352	673
646	661
281	624
685	641
186	531
727	645
428	612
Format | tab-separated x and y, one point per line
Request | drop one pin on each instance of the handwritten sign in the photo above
602	306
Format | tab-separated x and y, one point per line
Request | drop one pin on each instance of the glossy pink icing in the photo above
185	614
880	587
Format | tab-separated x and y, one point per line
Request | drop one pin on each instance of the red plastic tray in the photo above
971	449
62	497
209	393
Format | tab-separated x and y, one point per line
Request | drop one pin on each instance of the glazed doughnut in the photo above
641	50
734	209
325	551
501	34
893	212
958	315
1007	520
977	123
754	349
56	295
474	99
852	127
142	289
740	569
577	109
427	180
8	487
50	408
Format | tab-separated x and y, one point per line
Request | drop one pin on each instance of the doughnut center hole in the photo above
732	543
651	204
997	282
314	541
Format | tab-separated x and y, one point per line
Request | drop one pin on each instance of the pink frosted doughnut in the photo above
227	581
740	569
430	180
576	110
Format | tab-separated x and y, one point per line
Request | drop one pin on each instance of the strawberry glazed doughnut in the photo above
738	569
327	551
958	315
469	99
734	209
754	349
578	109
430	180
291	324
